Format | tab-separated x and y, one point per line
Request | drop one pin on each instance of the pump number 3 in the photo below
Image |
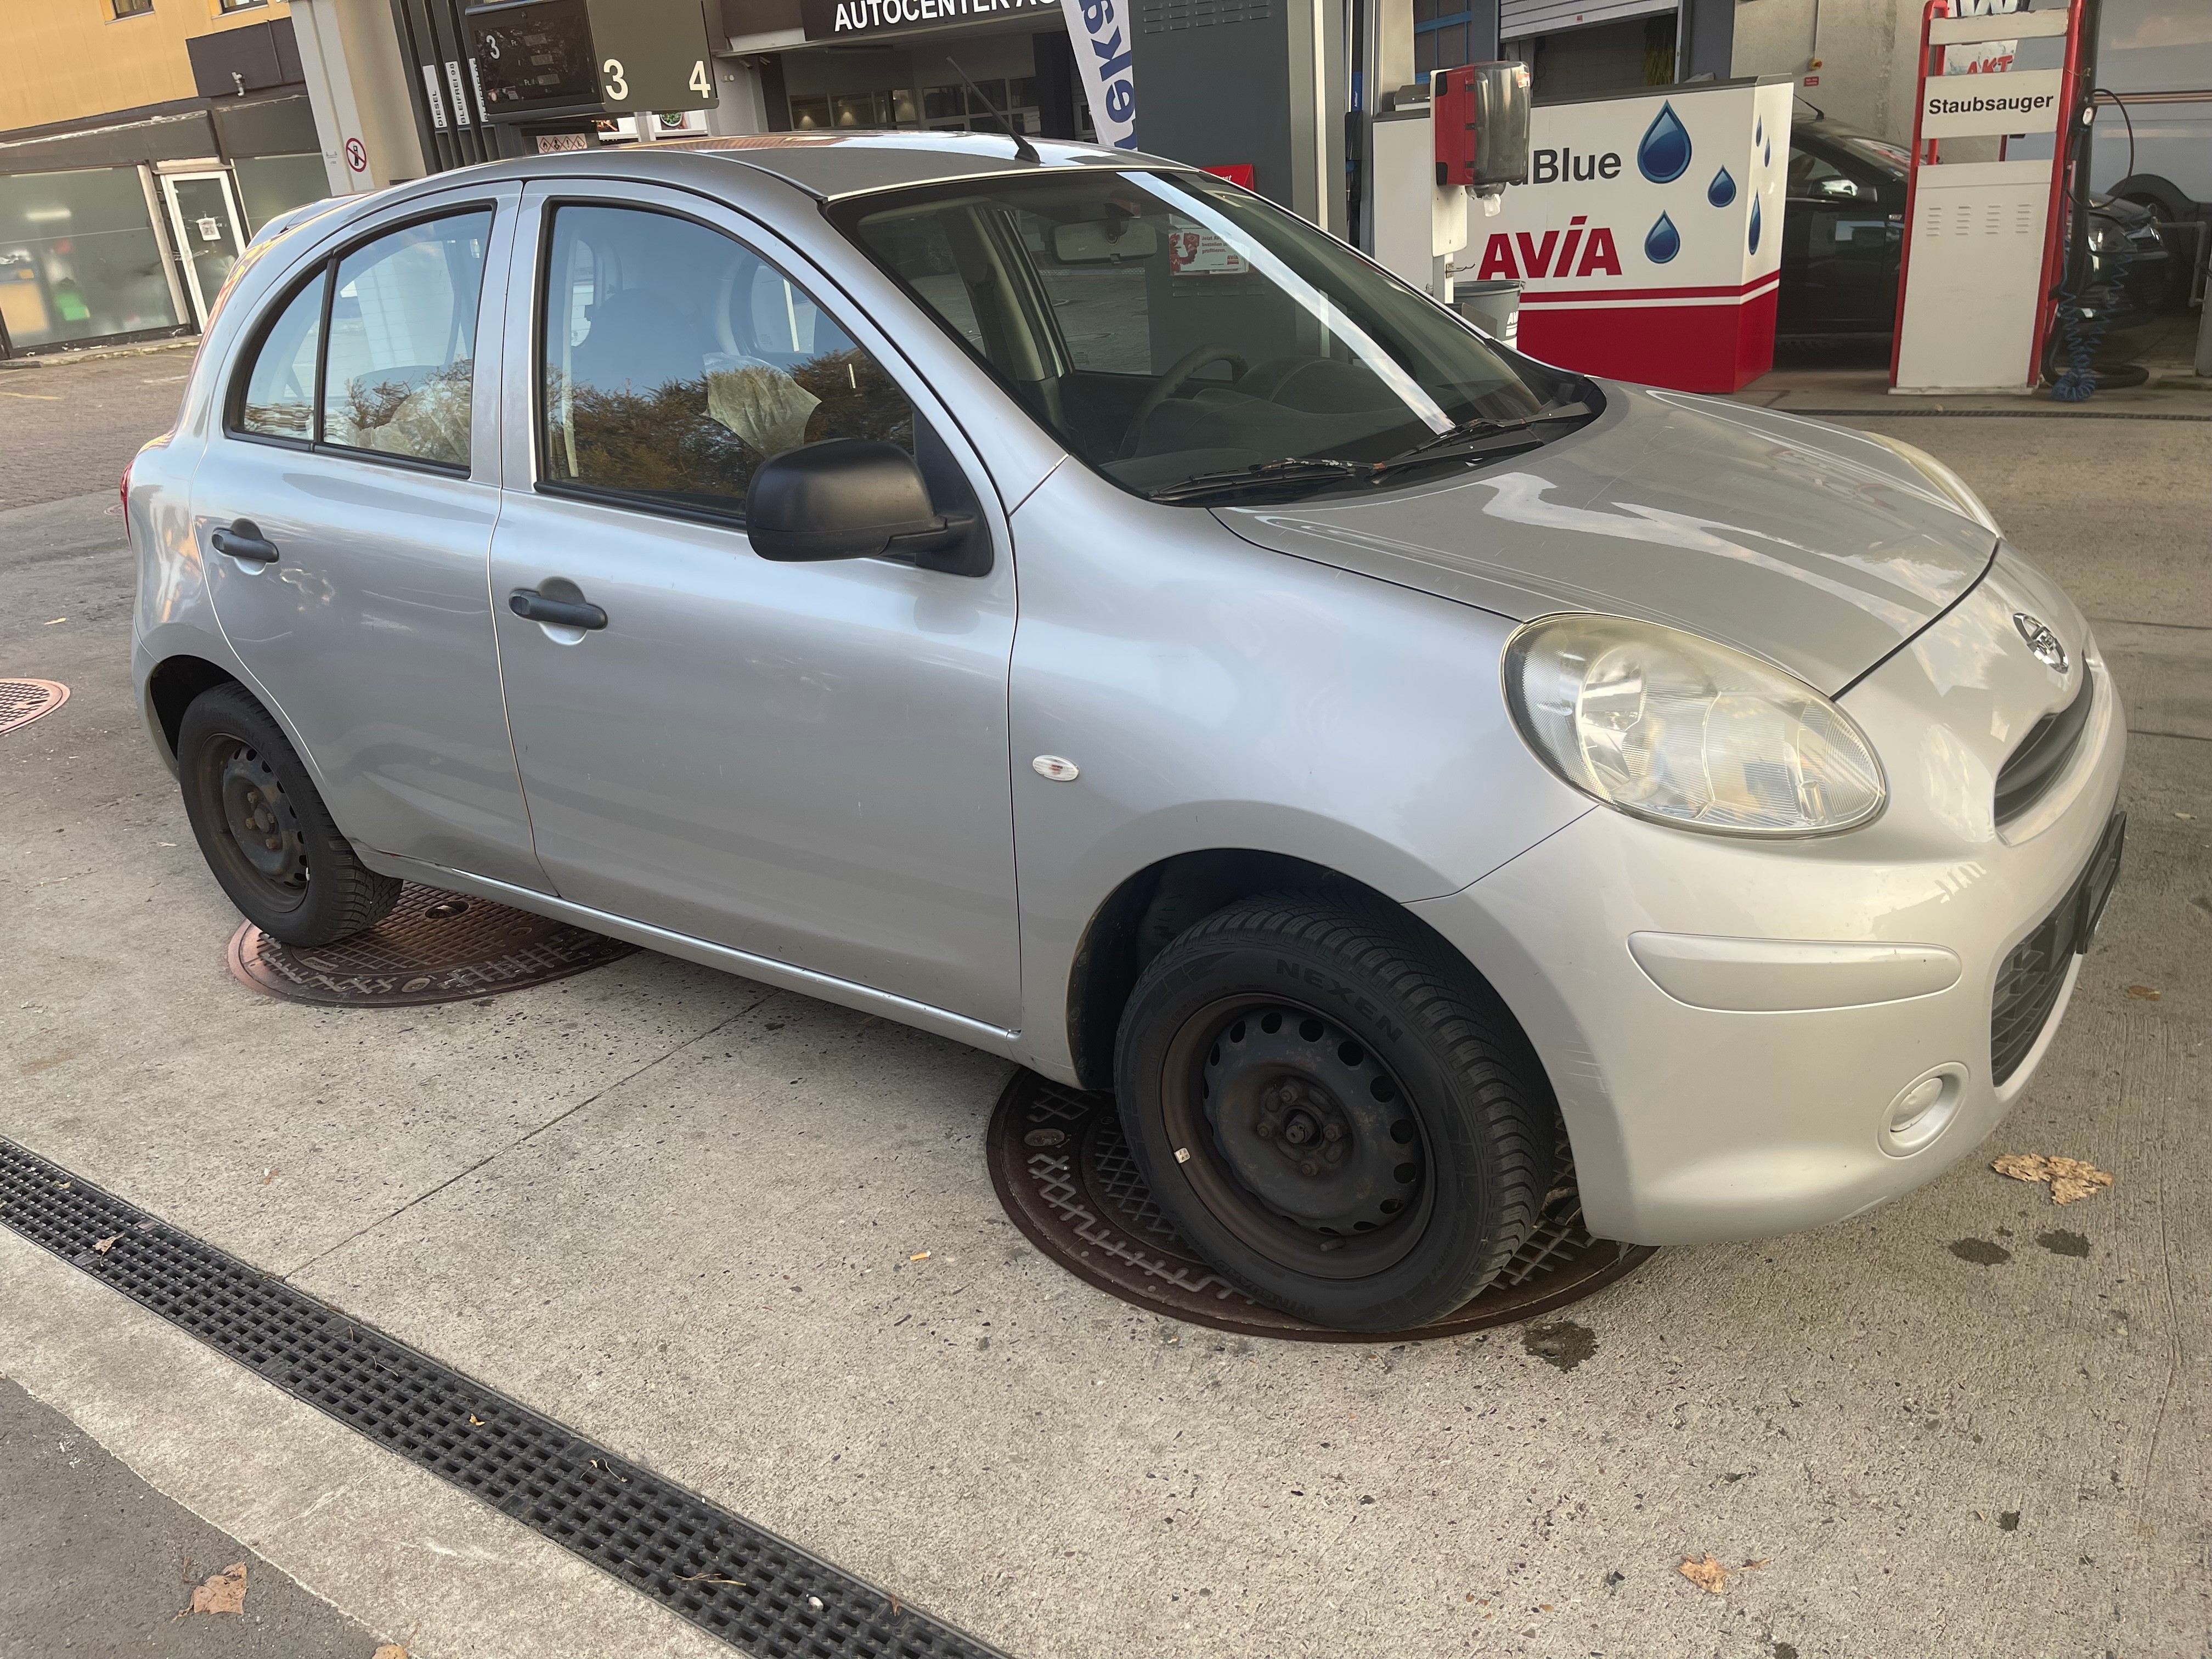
617	84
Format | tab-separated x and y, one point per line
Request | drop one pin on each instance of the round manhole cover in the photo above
433	947
23	702
1066	1176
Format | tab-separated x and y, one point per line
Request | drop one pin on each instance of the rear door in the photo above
359	448
805	761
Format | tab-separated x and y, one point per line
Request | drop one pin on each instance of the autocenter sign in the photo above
837	19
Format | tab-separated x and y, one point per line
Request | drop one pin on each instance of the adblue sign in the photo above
1648	238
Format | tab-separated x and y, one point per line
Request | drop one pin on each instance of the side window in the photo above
675	361
401	361
280	390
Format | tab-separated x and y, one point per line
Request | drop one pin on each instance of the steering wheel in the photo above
1172	382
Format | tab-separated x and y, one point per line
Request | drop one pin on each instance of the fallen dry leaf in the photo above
221	1592
106	1244
1708	1575
2070	1178
708	1578
390	1650
2144	994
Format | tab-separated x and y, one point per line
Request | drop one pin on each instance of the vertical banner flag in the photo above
1101	37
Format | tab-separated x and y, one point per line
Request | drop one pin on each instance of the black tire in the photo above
1414	1149
264	829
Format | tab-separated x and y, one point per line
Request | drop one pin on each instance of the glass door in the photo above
204	218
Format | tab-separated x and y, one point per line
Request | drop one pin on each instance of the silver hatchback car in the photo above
1060	601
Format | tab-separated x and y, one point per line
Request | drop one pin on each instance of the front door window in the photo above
676	361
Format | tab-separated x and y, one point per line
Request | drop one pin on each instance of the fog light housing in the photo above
1922	1109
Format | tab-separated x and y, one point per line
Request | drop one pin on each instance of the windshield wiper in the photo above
1263	475
1467	432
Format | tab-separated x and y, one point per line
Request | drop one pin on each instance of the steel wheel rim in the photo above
255	827
1341	1205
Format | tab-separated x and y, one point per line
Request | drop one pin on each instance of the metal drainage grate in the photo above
1065	1177
433	947
23	702
726	1576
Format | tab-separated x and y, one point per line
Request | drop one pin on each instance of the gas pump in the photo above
1437	149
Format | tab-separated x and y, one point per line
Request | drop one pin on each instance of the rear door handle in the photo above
243	540
529	603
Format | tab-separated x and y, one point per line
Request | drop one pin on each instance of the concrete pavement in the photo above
676	1211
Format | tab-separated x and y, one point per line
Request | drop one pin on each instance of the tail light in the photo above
122	489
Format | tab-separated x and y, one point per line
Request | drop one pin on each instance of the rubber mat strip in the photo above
734	1580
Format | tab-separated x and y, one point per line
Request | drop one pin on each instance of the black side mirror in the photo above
851	498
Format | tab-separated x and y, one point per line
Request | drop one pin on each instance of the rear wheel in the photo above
264	829
1346	1123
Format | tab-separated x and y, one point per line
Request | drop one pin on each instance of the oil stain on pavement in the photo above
1981	1252
1562	1343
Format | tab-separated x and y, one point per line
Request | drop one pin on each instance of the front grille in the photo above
2035	973
2040	761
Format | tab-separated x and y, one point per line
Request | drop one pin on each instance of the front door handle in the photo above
243	540
529	603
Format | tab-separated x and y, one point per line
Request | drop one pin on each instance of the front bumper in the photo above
1835	973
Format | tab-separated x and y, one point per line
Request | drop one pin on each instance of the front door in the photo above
203	218
353	481
803	762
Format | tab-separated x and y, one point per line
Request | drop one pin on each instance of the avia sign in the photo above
1648	236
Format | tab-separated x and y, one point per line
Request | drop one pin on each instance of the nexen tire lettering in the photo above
1285	969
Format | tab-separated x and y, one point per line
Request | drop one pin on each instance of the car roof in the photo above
835	164
828	165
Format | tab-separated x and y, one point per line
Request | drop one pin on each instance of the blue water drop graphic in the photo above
1664	241
1664	155
1722	191
1759	131
1755	224
1768	157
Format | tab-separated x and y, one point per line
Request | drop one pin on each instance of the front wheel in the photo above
1342	1120
264	829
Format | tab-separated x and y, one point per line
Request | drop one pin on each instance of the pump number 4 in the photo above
699	82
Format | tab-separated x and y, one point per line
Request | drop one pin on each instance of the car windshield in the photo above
1173	330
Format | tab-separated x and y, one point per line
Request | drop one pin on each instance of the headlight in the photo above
2107	237
1668	727
1948	482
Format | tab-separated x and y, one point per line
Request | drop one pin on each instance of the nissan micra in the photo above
1055	598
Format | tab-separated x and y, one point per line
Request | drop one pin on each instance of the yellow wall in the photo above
61	60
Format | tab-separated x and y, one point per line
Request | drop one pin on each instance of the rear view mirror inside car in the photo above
1091	240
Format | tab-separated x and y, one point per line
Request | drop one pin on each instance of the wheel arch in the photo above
1150	906
172	686
2148	189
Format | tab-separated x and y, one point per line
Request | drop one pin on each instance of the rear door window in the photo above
376	351
674	361
402	355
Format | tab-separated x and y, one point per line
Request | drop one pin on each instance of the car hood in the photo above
1807	544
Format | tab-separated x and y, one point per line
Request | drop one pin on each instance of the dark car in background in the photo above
1843	229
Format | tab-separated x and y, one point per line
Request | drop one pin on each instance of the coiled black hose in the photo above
2082	334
